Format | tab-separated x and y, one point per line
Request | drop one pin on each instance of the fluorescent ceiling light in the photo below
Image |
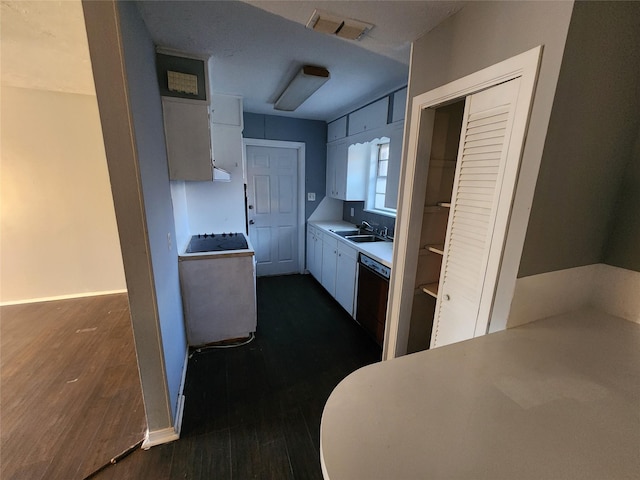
302	86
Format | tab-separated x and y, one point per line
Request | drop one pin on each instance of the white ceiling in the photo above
256	46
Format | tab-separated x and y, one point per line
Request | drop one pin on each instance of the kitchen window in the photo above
377	185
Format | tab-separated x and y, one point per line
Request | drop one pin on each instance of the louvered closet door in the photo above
473	238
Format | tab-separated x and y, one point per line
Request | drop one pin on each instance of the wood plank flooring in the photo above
70	395
254	411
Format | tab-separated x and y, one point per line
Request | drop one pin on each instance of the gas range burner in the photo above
217	242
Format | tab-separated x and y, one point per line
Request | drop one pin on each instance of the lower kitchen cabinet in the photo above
329	263
346	276
314	252
334	264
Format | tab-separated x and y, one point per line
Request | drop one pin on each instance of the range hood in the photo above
221	175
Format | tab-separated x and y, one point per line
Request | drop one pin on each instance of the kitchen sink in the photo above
360	236
364	238
345	233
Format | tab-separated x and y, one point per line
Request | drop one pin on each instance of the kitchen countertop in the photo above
380	251
556	398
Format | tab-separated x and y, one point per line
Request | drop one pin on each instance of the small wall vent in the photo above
332	24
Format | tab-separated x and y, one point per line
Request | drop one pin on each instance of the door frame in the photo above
300	148
411	202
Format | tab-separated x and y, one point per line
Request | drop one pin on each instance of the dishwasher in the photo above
373	291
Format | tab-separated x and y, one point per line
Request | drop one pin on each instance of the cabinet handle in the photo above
447	297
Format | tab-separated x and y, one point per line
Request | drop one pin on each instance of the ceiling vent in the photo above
333	24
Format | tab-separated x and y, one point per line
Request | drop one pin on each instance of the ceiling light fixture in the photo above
302	86
332	24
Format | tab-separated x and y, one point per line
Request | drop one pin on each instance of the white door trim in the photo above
300	147
411	202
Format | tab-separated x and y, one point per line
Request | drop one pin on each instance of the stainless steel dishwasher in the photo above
373	291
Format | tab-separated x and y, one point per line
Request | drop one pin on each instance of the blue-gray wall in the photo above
376	221
146	112
311	132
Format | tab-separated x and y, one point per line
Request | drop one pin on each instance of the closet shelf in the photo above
444	204
430	289
439	249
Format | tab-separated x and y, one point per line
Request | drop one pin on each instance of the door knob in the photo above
250	207
251	222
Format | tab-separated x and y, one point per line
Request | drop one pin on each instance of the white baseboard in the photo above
609	289
158	437
61	297
170	434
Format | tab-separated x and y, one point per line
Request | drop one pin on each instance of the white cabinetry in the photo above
346	276
399	105
226	132
334	264
329	263
188	140
370	117
337	129
346	171
314	252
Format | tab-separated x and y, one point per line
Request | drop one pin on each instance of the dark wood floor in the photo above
70	394
254	411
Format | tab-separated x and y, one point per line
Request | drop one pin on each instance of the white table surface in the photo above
555	399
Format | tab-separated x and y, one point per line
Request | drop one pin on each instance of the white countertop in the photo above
380	251
555	399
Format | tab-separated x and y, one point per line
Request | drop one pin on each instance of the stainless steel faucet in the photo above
367	225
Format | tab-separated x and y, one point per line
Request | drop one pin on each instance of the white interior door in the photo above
272	202
475	231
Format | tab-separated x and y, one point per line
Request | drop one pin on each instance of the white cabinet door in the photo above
329	258
332	159
346	171
314	253
226	110
337	129
370	117
186	130
483	180
346	277
226	146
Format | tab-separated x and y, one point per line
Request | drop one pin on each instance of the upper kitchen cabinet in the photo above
186	129
226	110
226	133
346	171
337	129
372	116
399	105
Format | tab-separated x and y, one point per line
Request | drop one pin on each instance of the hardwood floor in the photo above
70	394
254	411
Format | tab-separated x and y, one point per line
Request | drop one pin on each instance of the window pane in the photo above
381	185
379	201
382	168
384	152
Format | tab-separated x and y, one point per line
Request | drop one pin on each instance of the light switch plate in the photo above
311	197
